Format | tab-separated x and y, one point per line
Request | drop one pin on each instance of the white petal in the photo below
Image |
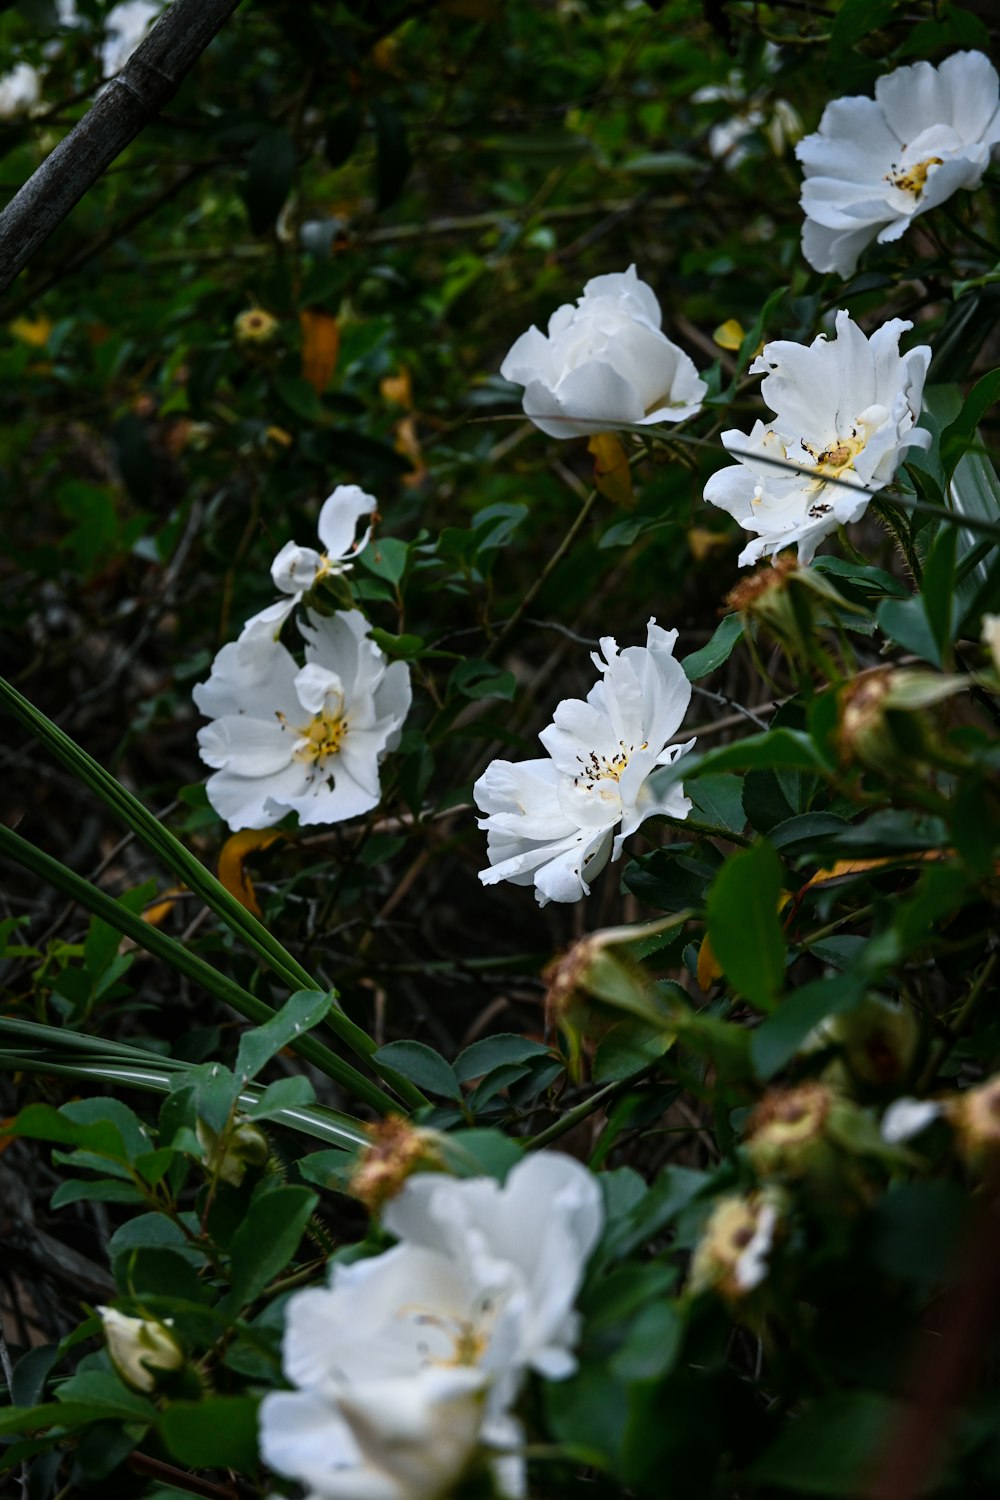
339	517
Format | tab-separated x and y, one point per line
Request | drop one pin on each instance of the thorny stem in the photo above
968	1010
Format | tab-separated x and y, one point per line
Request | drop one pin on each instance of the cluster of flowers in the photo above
307	739
407	1366
845	413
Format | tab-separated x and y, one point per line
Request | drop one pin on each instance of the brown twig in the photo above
149	79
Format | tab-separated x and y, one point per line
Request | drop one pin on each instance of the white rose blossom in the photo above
605	362
845	410
875	164
20	91
554	823
407	1365
297	569
305	739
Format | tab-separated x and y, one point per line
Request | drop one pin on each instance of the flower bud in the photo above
397	1150
141	1349
882	726
732	1255
597	982
256	328
228	1156
878	1040
991	638
783	598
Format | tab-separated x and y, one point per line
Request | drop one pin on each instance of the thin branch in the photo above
148	81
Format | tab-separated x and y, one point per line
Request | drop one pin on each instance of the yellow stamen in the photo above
913	179
322	736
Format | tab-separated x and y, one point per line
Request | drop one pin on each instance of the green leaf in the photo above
299	1014
743	925
158	1271
628	1048
299	396
905	622
326	1169
269	178
266	1240
778	1039
481	1153
938	589
40	1122
69	1414
386	558
219	1432
719	800
392	154
422	1065
106	1190
832	1447
960	434
482	679
493	1051
857	19
718	650
652	1345
284	1093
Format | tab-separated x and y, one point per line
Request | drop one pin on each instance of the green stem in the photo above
574	1116
969	1007
192	872
554	560
893	523
184	961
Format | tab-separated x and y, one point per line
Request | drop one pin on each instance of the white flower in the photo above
20	91
307	739
604	362
125	26
297	569
845	410
552	823
908	1117
991	638
140	1348
874	164
406	1366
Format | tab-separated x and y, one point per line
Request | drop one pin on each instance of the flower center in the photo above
832	462
604	767
912	179
468	1343
321	737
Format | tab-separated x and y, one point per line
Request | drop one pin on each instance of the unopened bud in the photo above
228	1156
397	1150
878	1040
597	982
883	723
142	1350
732	1255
